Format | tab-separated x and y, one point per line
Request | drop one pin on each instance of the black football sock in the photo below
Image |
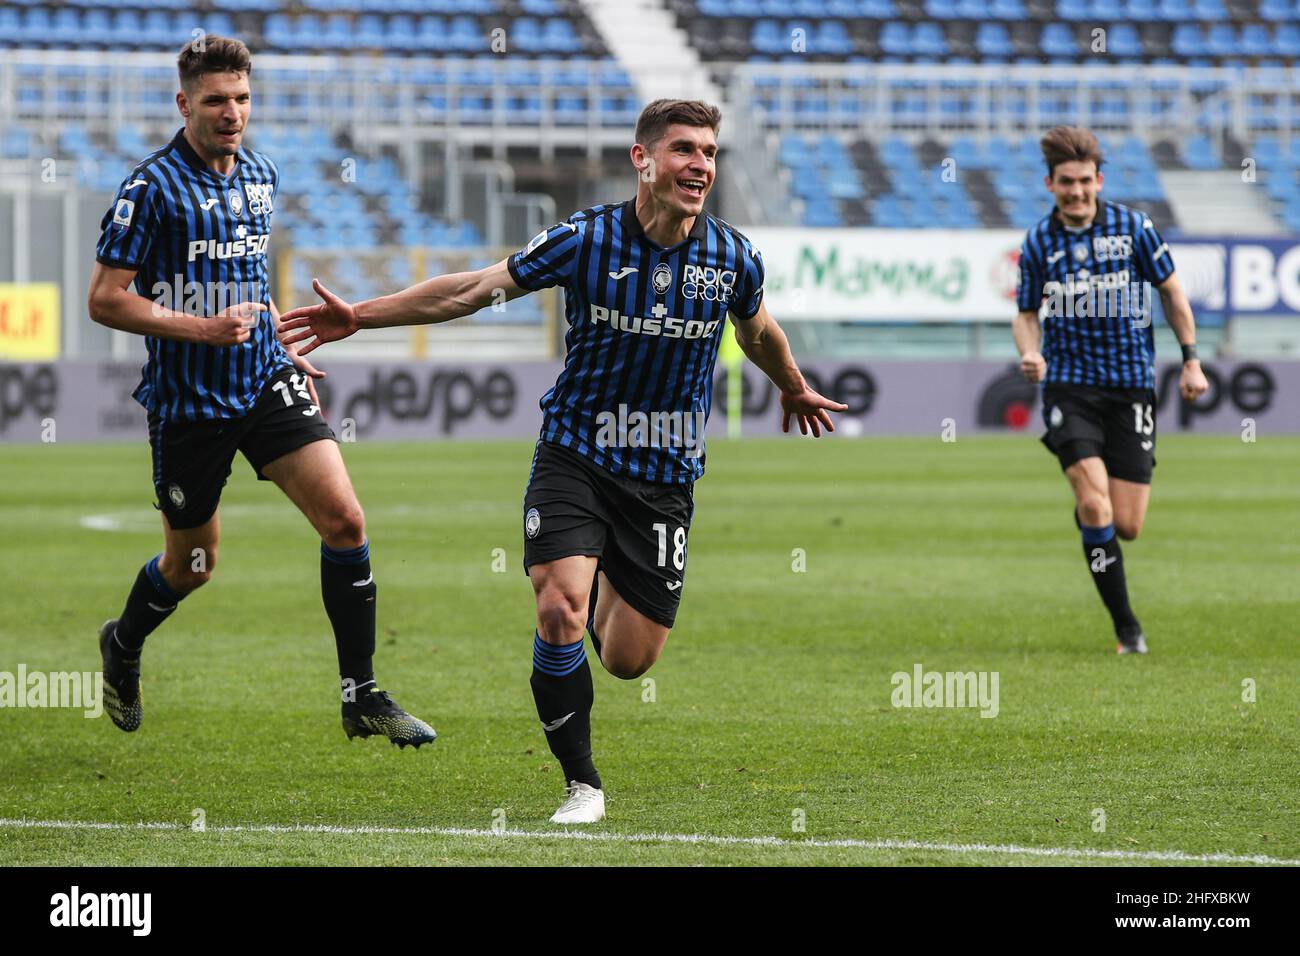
1106	562
150	602
564	695
347	588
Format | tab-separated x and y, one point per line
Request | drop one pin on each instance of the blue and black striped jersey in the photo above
1098	286
644	326
198	241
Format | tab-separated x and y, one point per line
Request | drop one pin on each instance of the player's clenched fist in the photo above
1033	366
232	326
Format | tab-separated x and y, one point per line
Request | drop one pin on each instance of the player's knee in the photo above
560	619
626	668
1128	528
187	578
344	527
1094	510
185	575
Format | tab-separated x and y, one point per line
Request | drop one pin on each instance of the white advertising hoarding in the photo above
919	275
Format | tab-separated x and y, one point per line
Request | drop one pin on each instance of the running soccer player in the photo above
189	228
1092	265
648	286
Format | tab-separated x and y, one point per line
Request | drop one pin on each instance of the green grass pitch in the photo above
771	704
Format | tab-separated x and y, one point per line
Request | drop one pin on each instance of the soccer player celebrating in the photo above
1092	265
648	285
189	227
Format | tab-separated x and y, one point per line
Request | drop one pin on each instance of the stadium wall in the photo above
81	401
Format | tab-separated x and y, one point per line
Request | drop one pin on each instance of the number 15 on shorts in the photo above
679	545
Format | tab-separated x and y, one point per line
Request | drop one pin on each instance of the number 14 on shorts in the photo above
298	383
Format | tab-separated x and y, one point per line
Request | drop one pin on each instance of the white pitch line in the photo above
1163	856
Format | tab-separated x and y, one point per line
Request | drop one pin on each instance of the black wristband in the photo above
1189	352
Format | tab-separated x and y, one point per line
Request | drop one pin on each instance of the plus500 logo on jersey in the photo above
708	283
211	249
669	327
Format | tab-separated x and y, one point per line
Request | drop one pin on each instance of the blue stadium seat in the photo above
11	25
896	38
66	27
1107	10
1187	41
832	38
1278	10
766	37
1199	154
1221	40
36	26
1123	41
1209	10
928	40
16	143
991	39
1256	40
1007	9
1286	39
1057	41
972	9
466	37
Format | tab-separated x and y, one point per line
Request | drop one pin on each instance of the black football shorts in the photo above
636	528
1117	425
191	460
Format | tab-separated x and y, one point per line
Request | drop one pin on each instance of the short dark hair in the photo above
1064	144
212	54
659	115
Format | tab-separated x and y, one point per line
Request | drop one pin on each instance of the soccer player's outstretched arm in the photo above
440	299
764	344
1178	313
112	303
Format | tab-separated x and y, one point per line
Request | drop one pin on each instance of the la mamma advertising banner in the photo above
968	275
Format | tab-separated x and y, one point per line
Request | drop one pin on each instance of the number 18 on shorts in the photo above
637	529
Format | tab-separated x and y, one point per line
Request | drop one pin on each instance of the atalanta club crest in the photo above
661	278
532	522
177	496
236	203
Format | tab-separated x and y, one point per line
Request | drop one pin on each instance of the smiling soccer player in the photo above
196	215
648	285
1090	262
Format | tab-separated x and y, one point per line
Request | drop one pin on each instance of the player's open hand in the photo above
312	326
1192	383
300	363
233	325
1033	366
810	409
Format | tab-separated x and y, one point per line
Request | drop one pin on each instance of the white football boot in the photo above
585	804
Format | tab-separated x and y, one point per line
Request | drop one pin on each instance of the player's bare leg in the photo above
561	680
1098	523
316	480
630	641
1129	500
188	559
